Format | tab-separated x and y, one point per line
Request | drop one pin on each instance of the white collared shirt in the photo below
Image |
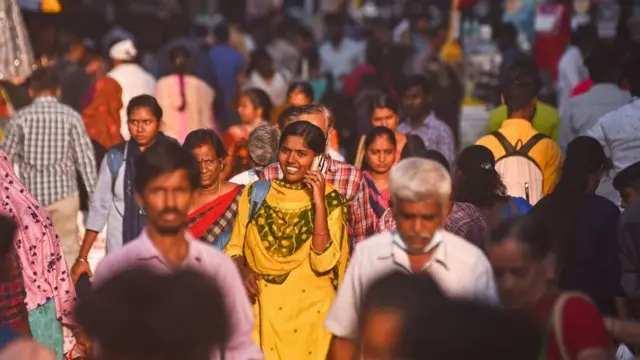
458	267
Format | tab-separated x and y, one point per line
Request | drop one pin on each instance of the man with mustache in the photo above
165	180
420	200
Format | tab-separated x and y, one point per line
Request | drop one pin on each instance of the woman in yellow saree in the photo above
290	243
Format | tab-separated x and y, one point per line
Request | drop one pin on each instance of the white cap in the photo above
123	50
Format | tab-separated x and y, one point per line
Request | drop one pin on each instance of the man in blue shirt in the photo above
228	64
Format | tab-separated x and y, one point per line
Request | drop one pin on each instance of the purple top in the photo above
207	260
435	133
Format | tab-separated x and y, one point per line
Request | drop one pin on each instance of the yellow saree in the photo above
297	284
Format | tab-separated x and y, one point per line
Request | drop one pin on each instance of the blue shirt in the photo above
227	64
521	205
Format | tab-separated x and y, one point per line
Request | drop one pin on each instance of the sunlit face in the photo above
298	98
380	333
143	126
381	155
210	165
384	117
295	159
247	111
418	221
318	120
629	195
519	278
166	200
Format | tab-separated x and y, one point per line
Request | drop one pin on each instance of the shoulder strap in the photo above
558	308
115	159
506	145
524	150
259	191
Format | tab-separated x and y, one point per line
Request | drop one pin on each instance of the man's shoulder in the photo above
631	214
464	252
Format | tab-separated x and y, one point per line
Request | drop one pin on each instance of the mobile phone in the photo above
317	164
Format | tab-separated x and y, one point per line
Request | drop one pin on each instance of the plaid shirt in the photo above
464	220
13	311
48	142
349	182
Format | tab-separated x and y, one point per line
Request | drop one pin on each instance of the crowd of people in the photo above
283	199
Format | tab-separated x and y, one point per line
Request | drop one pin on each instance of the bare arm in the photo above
341	349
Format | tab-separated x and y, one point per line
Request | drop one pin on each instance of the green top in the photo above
546	121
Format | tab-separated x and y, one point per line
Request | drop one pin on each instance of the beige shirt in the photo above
458	267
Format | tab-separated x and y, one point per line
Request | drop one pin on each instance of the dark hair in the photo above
521	84
334	19
437	156
222	33
584	156
142	314
376	55
201	137
583	34
287	115
257	57
312	135
478	182
303	87
417	81
379	131
8	229
433	326
44	79
164	157
179	57
528	230
605	64
384	101
145	101
629	177
414	147
260	100
506	33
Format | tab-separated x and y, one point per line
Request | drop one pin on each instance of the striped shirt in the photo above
48	142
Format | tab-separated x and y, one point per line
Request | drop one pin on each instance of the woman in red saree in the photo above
216	201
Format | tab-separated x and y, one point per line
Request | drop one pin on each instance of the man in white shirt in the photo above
571	68
339	55
133	79
420	192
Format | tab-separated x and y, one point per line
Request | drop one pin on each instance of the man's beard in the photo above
168	230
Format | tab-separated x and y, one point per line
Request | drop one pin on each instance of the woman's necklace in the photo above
219	187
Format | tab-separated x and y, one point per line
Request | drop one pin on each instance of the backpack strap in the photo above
115	159
506	145
535	139
259	191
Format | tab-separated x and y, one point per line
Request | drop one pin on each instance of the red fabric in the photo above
586	85
550	47
465	3
13	311
212	211
583	327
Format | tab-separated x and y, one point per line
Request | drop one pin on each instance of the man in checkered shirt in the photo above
347	179
48	143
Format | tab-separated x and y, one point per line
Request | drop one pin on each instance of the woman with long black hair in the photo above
187	101
584	226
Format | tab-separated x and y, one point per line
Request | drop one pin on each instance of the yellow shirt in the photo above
545	153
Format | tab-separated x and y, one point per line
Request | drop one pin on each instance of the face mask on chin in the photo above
435	241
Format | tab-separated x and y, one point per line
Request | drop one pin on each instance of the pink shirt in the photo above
211	262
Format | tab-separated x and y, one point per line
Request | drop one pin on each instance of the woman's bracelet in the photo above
320	234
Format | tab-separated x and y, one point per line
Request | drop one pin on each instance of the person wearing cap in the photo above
583	226
133	79
627	182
